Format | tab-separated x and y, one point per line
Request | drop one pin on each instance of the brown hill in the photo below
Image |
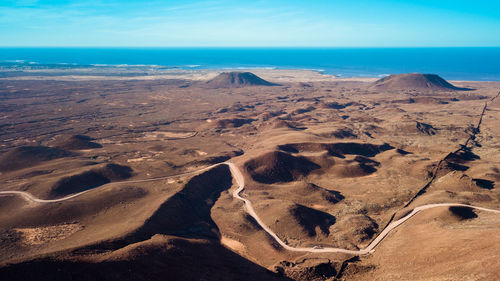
278	166
339	149
162	257
232	122
79	142
295	222
90	179
457	181
278	124
359	227
27	156
310	219
414	81
309	193
358	167
187	213
412	127
237	80
341	133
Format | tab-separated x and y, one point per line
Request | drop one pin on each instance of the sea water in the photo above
471	63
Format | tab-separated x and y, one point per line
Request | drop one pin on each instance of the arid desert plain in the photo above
115	173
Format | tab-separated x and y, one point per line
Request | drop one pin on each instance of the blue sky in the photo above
336	23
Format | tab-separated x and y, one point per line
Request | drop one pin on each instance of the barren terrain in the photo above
120	174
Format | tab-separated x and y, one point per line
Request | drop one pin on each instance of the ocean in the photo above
472	63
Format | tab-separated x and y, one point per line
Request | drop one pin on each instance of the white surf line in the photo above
369	249
30	197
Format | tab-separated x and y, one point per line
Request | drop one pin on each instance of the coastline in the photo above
128	73
455	64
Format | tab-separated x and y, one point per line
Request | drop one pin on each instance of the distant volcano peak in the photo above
237	79
415	81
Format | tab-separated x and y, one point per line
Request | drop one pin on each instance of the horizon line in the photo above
253	47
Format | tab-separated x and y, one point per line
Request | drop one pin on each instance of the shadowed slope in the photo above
337	149
161	258
149	254
27	156
296	223
309	219
90	179
79	142
187	213
232	122
463	213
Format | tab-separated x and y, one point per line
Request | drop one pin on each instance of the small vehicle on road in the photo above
317	247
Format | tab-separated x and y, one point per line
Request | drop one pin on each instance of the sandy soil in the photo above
42	235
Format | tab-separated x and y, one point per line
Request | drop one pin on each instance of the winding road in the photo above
240	181
30	197
369	249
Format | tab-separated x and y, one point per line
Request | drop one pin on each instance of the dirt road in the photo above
240	181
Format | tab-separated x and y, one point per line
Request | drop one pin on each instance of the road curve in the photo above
30	197
369	249
240	181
